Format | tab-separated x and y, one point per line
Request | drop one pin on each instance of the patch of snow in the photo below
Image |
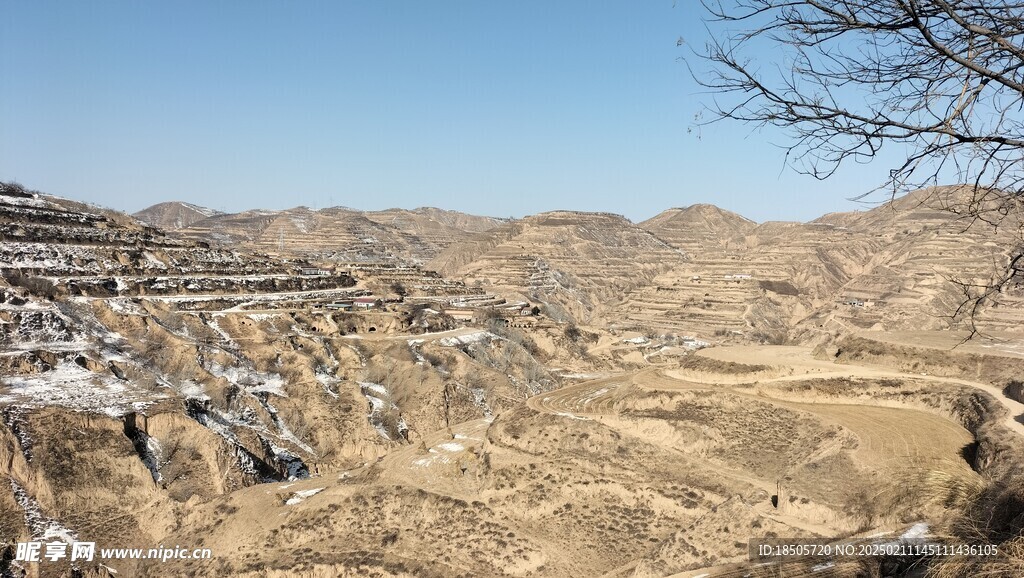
452	447
222	423
299	496
480	400
437	457
379	406
572	416
359	354
402	426
36	326
151	453
262	316
285	433
414	345
918	530
251	380
220	331
41	527
294	466
328	382
301	223
14	419
475	337
374	387
74	387
193	389
582	375
35	201
153	261
125	306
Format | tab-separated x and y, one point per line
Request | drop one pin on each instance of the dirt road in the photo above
805	365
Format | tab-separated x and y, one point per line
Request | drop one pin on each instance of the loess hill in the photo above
428	393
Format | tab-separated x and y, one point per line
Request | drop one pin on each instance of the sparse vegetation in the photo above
497	445
711	365
780	287
38	286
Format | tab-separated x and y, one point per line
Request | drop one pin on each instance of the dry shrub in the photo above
701	363
779	287
38	286
1015	390
994	515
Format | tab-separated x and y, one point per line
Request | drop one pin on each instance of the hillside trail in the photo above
595	399
457	332
807	366
441	461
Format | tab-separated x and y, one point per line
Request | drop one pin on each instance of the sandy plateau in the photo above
426	393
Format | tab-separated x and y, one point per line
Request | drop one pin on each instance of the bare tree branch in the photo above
847	78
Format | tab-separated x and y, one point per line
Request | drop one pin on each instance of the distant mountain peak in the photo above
709	209
698	227
174	215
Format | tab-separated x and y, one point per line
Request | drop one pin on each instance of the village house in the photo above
461	314
366	302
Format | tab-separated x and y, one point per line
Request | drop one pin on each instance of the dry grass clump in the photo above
707	364
779	287
992	514
1015	390
1008	563
953	491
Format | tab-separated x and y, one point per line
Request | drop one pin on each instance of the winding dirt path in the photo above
807	366
442	461
892	439
888	435
596	398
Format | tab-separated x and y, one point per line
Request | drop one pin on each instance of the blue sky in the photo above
499	108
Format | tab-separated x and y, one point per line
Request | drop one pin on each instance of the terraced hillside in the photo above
640	474
697	270
160	390
425	220
142	375
775	274
578	261
174	215
894	267
914	279
698	229
75	251
337	233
